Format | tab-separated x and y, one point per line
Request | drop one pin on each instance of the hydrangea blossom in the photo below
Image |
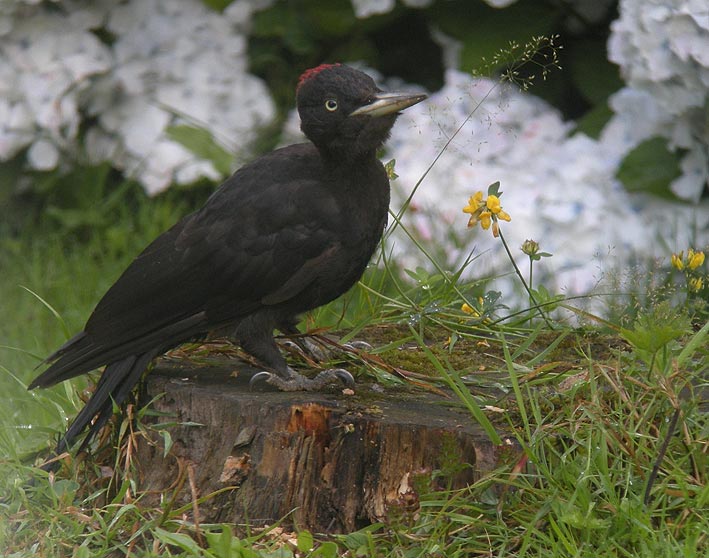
662	47
166	66
47	64
170	61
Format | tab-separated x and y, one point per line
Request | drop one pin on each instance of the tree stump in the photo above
329	462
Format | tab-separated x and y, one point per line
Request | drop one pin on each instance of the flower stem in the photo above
534	303
531	271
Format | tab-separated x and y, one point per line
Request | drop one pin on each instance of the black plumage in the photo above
286	233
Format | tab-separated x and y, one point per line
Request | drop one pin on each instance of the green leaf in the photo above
326	550
217	5
334	18
698	340
390	169
167	442
180	540
305	541
594	76
494	189
200	142
651	332
650	168
286	23
593	122
224	544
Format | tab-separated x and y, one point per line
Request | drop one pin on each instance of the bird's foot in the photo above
298	382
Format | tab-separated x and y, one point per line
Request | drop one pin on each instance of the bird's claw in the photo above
358	345
298	382
307	348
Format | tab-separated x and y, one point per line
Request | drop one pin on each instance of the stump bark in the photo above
329	462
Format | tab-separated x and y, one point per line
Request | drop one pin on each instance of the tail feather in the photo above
114	386
125	358
82	353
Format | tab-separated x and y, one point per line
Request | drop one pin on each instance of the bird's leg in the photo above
262	346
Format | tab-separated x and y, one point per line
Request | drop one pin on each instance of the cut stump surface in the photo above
330	462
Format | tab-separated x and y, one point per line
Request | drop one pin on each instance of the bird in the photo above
286	233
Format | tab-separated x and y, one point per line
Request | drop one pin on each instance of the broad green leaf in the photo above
200	142
650	168
305	541
594	76
217	5
593	122
180	540
326	550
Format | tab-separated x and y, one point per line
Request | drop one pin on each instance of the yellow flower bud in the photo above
696	284
677	262
530	247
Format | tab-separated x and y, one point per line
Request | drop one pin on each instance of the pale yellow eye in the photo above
331	105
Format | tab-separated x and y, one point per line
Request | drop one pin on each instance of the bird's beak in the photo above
388	103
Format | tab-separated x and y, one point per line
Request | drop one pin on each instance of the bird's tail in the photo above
114	386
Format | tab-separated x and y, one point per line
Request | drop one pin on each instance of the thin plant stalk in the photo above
534	302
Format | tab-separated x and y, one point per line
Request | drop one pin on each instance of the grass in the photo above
591	431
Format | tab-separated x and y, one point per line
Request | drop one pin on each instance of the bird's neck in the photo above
344	160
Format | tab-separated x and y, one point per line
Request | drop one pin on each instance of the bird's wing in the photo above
239	253
260	240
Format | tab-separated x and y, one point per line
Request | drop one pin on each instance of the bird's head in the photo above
344	113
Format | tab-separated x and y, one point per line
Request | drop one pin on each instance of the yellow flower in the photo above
470	310
677	262
485	219
474	203
694	259
696	284
486	211
493	204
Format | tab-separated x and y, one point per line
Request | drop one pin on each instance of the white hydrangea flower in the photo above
177	62
173	62
662	47
47	62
